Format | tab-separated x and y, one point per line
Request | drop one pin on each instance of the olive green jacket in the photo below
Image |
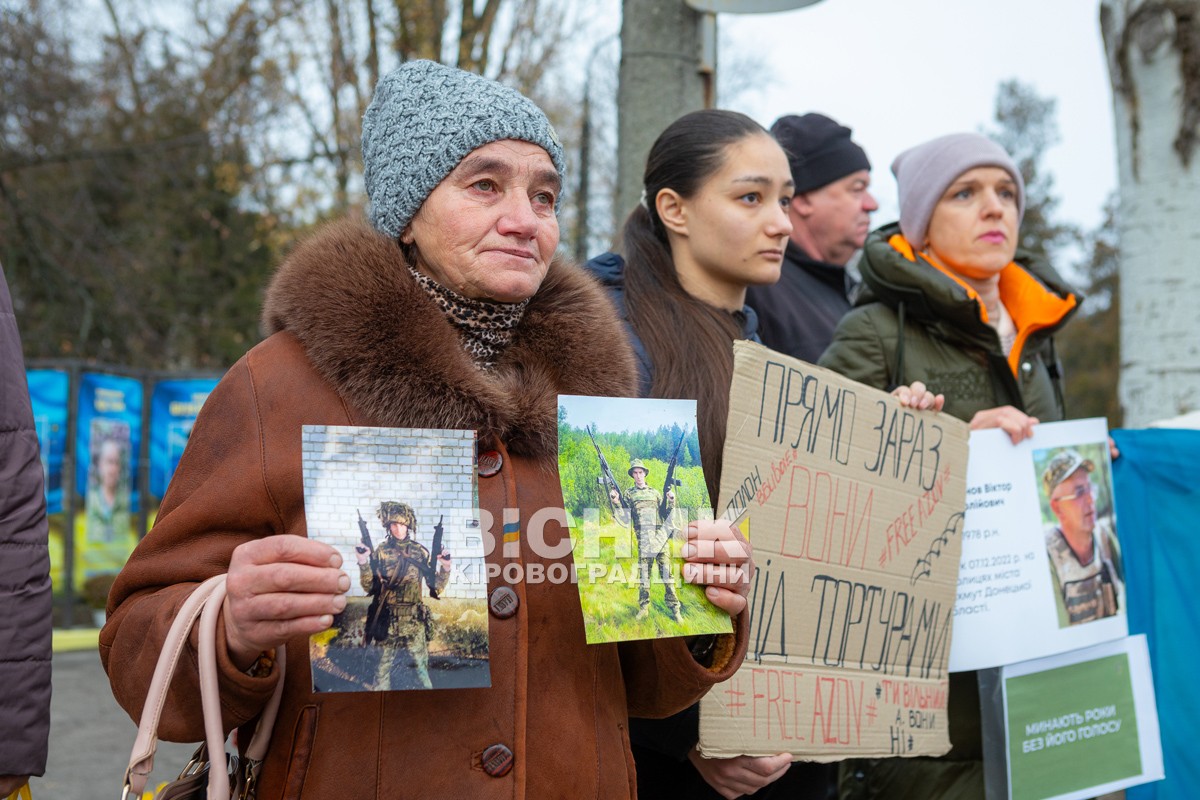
913	321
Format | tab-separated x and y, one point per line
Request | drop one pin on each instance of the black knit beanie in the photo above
819	150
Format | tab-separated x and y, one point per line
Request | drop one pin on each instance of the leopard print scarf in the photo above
484	327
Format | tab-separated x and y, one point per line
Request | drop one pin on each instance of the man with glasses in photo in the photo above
1084	558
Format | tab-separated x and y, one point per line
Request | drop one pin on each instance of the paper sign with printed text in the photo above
1023	591
856	506
1082	724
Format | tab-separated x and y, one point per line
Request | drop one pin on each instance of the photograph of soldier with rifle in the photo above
396	503
629	535
392	574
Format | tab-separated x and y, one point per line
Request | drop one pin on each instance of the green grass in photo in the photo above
610	599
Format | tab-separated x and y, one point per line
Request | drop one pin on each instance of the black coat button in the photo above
497	760
503	602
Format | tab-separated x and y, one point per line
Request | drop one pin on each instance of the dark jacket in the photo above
355	341
915	322
798	314
609	269
661	746
25	601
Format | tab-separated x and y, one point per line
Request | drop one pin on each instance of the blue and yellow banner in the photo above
49	392
174	405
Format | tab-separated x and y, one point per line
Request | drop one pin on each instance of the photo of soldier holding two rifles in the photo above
629	532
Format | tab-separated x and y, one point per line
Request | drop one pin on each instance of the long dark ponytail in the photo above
689	342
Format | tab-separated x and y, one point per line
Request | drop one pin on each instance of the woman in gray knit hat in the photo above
950	300
448	311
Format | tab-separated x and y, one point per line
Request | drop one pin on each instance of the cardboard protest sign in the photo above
1023	591
856	508
1081	724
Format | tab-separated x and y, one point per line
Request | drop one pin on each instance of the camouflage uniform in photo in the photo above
393	577
652	539
1086	592
1083	592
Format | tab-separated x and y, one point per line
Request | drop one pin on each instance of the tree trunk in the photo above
1153	51
660	82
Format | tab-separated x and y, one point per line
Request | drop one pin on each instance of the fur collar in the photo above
376	336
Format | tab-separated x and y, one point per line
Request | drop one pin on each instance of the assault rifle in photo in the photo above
434	552
665	512
362	531
375	629
608	483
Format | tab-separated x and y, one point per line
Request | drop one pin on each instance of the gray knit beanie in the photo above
423	120
924	172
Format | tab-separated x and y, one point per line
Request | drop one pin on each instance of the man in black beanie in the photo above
831	216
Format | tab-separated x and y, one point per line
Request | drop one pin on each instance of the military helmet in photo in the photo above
637	464
390	511
1063	466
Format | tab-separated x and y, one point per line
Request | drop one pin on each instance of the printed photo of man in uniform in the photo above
650	518
1085	560
398	619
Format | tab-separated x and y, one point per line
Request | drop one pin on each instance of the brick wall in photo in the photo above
351	470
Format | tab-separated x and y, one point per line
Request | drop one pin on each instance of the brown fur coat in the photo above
355	342
372	332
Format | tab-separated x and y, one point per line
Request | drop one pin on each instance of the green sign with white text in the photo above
1072	728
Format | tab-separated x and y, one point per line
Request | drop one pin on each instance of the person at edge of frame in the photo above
25	594
948	299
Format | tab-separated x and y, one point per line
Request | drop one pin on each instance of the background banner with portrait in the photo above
855	506
108	437
174	405
49	391
1011	603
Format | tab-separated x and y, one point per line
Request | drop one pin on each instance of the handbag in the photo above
199	780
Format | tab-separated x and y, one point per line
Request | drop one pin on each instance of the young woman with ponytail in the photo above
712	221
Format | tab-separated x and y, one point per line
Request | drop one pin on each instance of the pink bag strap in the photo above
204	604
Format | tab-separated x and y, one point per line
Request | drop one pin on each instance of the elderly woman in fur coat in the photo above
448	311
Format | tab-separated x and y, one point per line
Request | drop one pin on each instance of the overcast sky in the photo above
618	414
900	72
